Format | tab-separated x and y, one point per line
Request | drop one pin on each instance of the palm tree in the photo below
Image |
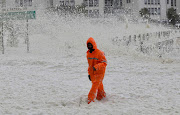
144	12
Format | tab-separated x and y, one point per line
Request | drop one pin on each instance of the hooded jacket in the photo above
97	60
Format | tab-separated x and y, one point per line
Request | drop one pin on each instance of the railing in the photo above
156	43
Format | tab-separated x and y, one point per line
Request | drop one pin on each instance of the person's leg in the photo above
93	91
101	93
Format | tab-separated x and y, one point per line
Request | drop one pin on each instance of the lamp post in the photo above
160	12
27	26
2	35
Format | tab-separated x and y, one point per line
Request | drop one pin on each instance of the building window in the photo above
96	13
86	2
152	1
67	3
96	3
128	1
51	3
117	4
72	2
90	11
30	2
155	11
108	2
145	1
93	13
159	11
156	2
152	11
108	10
61	3
112	2
90	3
25	2
172	3
148	1
167	1
21	3
17	3
159	2
121	3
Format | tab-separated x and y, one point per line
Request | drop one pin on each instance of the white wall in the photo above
56	2
79	2
178	6
101	7
41	3
10	4
163	6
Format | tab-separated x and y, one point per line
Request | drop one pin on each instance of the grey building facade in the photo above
102	7
157	8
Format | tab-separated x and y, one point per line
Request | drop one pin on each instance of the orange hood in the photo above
92	41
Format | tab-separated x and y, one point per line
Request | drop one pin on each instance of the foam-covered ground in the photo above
52	78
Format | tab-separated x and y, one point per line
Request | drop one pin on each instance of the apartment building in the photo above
97	8
157	8
178	6
94	8
2	4
10	5
57	3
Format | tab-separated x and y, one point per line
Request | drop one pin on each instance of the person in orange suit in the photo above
96	70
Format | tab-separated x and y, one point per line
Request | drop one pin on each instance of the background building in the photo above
101	7
25	4
157	8
63	3
96	8
178	6
2	4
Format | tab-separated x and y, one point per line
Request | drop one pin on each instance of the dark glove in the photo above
89	77
94	68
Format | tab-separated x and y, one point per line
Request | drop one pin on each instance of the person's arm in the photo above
88	72
103	62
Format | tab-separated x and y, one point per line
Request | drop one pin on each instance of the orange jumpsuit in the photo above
97	60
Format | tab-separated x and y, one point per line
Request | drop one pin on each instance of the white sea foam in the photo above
52	78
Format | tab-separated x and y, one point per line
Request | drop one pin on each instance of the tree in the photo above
78	9
172	16
12	40
144	12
